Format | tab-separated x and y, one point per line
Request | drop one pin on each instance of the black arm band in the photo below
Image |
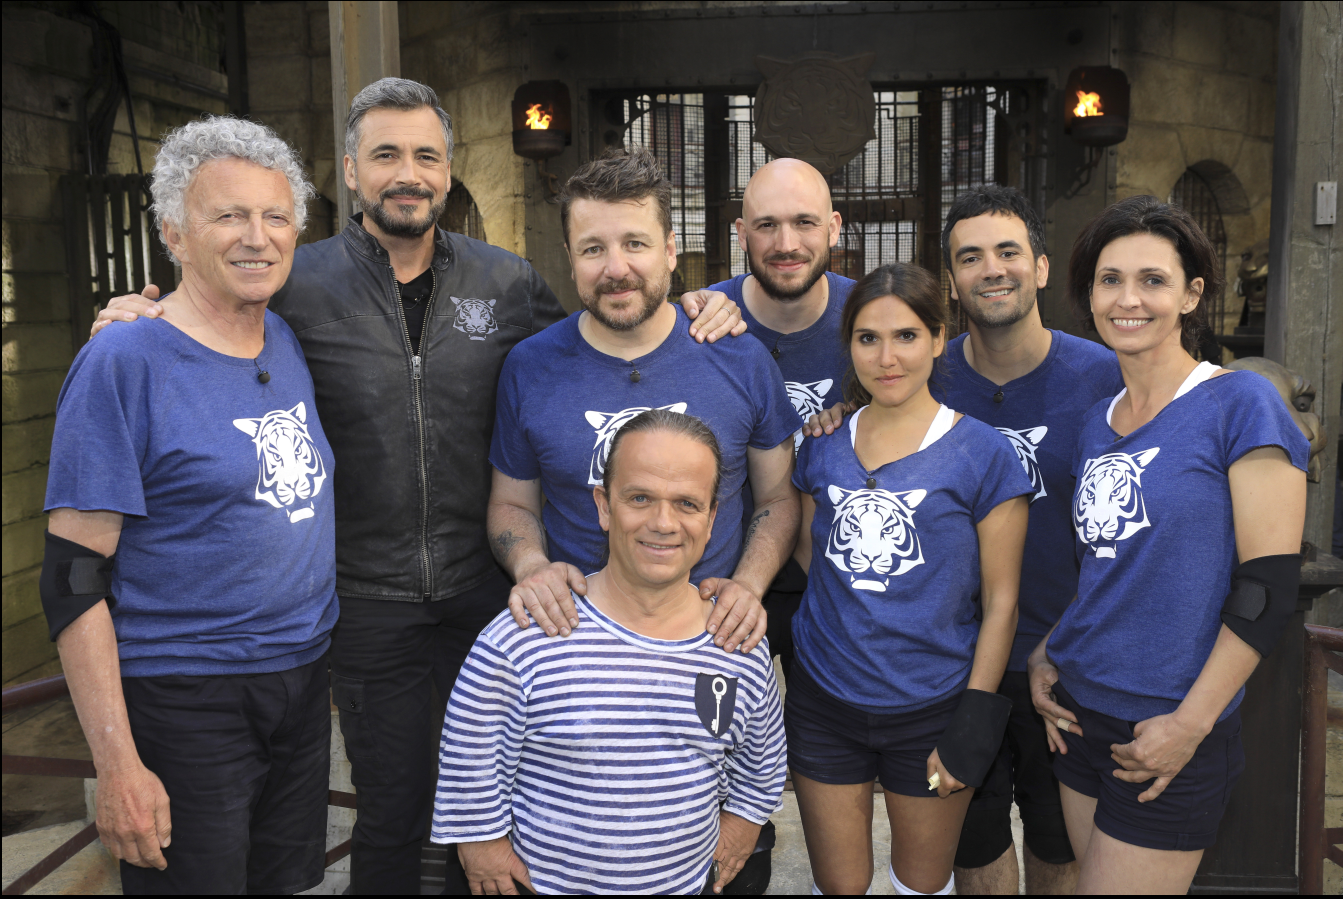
1262	599
970	743
74	580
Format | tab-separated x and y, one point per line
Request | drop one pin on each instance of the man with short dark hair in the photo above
565	393
405	328
1033	385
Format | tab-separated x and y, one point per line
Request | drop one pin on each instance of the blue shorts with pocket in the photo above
1185	817
832	742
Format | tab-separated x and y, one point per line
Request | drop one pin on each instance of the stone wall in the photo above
1203	78
288	49
47	69
471	54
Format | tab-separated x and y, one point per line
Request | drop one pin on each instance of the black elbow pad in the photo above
1262	600
74	580
970	743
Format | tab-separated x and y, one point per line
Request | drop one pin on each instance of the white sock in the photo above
816	891
902	890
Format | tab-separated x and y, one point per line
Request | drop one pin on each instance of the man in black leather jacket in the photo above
405	327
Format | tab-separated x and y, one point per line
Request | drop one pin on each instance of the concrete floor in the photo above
42	812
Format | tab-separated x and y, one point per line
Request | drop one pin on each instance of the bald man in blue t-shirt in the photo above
792	304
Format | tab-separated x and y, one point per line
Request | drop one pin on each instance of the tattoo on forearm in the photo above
754	525
503	544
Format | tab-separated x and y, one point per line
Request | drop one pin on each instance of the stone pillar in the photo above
1304	329
365	46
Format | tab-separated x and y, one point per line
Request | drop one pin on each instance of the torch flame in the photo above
536	119
1087	105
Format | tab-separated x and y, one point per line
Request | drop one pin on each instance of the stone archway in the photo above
461	215
1217	200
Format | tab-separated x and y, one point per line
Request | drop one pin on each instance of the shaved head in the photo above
787	228
790	181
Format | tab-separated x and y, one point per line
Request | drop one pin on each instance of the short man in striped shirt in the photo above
635	756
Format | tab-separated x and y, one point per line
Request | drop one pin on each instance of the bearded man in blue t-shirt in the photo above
791	302
564	393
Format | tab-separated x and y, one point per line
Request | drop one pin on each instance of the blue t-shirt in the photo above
561	401
813	361
227	557
887	623
1041	414
1152	512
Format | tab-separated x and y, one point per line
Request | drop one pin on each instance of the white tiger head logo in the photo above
808	399
1025	443
475	318
1108	506
874	532
606	424
292	470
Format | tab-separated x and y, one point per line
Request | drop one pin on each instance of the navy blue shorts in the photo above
831	742
1024	773
1185	817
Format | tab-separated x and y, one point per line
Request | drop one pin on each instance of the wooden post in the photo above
1304	327
365	46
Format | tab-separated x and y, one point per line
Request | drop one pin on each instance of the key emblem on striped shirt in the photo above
715	701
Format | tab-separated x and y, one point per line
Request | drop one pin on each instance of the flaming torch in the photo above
536	119
541	119
1097	108
1087	105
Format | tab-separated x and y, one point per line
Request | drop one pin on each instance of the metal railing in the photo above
48	688
1317	841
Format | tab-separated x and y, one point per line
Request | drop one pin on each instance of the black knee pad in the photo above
1046	834
985	836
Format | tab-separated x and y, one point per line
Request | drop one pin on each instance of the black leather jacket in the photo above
411	434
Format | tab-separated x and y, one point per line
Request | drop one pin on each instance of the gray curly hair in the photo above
185	150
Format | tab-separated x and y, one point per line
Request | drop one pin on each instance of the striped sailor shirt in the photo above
605	756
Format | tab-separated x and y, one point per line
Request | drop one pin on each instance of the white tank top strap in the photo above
942	423
1202	372
853	427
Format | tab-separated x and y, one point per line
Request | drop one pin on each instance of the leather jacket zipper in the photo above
417	378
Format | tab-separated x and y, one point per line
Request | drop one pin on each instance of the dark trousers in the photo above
781	604
244	760
387	659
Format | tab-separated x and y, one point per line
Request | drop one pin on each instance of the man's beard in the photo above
999	317
402	224
634	314
777	290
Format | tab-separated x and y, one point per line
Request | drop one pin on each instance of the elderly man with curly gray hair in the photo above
189	579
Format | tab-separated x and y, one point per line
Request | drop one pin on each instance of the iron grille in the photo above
1194	193
931	145
111	245
672	127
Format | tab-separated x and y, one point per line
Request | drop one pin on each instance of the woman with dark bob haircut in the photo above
910	513
1189	508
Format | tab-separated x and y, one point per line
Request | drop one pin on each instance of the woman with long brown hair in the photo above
909	513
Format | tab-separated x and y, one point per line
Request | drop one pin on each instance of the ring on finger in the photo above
1062	724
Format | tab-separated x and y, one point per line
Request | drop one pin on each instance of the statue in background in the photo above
1299	396
1252	284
